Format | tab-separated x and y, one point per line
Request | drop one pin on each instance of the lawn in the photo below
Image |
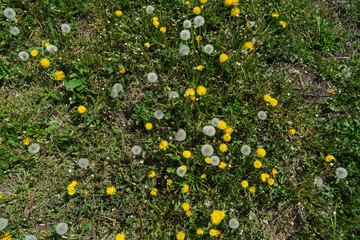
195	119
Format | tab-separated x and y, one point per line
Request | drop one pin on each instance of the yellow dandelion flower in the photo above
169	182
118	13
44	62
189	92
199	231
47	44
244	184
120	236
147	44
214	232
229	130
203	1
203	176
152	174
34	52
185	188
71	188
187	2
275	15
252	189
201	90
26	141
329	158
154	192
217	216
267	98
185	206
273	102
81	109
228	2
163	29
122	70
156	23
164	145
264	177
197	10
59	75
188	213
198	38
226	137
235	12
222	125
291	131
248	46
222	165
6	236
223	57
223	147
110	190
208	160
186	154
261	152
282	24
271	181
199	67
257	164
148	126
180	236
273	171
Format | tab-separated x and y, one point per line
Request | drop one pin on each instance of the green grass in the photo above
311	67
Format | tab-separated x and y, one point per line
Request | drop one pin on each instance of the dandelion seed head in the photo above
341	172
180	171
118	87
209	131
158	114
136	150
199	21
83	162
185	35
173	94
319	182
180	135
9	13
245	150
208	49
34	148
23	55
184	50
3	223
207	150
262	115
215	122
187	24
152	77
234	223
30	237
215	160
52	48
65	28
62	228
14	30
149	9
114	93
